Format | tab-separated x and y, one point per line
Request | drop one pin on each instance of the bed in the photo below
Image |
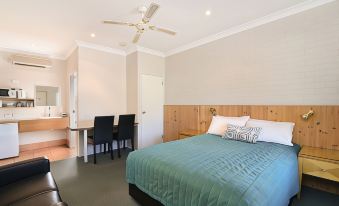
208	170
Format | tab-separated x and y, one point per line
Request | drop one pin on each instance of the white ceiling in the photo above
52	26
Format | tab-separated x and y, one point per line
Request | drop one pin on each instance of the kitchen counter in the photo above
39	124
6	121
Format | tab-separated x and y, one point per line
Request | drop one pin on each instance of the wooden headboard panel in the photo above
320	130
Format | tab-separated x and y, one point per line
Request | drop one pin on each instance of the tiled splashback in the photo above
29	113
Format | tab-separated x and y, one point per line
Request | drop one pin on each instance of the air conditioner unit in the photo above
31	61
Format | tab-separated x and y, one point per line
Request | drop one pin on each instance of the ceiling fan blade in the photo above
150	12
136	37
167	31
118	23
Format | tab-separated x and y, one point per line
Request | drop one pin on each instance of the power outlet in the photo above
8	116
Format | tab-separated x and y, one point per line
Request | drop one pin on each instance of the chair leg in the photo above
111	147
95	154
105	148
118	143
132	143
124	144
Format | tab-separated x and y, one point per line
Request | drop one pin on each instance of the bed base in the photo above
141	197
146	200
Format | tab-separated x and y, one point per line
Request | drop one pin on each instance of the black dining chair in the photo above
102	135
125	131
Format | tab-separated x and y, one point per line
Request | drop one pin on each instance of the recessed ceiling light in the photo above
208	12
93	35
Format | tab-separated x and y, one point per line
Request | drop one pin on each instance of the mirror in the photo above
46	96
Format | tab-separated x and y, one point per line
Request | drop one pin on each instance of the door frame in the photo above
73	106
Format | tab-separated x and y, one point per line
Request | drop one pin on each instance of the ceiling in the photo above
52	26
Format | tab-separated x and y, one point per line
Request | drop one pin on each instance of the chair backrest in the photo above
103	129
126	126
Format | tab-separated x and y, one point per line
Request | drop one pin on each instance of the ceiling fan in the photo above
143	25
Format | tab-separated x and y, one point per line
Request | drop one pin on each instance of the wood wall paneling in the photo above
171	123
188	112
321	130
43	124
179	118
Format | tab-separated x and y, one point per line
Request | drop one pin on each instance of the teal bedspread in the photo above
207	170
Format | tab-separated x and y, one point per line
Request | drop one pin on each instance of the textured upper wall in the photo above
294	60
101	84
132	82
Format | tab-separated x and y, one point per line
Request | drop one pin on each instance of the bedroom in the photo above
233	103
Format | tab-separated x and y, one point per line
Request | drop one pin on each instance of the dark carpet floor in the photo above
104	184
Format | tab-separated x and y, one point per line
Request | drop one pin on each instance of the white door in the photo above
73	109
152	103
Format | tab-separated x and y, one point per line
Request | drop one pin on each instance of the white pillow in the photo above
276	132
219	124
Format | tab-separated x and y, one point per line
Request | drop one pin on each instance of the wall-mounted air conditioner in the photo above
31	61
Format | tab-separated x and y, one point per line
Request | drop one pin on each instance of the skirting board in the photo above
40	145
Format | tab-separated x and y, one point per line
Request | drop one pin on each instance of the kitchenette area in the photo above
33	108
28	124
14	130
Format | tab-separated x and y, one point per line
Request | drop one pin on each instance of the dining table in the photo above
84	127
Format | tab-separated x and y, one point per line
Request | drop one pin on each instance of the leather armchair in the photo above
29	183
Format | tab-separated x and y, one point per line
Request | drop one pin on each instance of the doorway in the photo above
73	109
152	104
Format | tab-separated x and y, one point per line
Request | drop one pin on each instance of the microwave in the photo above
7	93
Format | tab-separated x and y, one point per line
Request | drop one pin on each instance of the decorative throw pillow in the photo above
219	124
245	134
276	132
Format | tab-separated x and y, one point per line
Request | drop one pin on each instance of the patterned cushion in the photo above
245	134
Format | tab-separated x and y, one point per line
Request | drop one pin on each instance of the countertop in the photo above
7	121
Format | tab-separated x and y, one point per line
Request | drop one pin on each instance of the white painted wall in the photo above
101	84
72	65
138	64
151	64
27	79
132	82
294	60
148	64
72	69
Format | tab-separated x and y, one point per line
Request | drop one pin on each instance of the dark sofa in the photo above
28	183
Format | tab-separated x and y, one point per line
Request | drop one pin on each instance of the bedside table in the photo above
322	163
189	133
